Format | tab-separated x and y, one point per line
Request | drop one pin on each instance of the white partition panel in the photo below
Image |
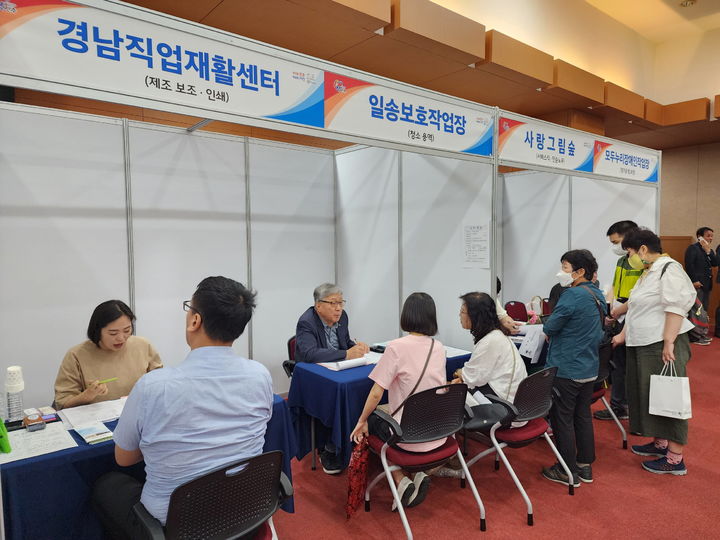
439	197
597	204
62	237
534	233
188	195
293	239
367	223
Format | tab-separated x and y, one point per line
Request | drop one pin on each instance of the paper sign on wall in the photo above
476	244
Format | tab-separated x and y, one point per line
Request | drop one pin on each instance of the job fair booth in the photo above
94	208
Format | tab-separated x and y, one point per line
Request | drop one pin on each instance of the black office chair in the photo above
600	387
289	365
533	400
427	416
233	501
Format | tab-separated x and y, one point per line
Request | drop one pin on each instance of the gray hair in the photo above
325	290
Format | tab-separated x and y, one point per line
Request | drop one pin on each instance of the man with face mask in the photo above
623	281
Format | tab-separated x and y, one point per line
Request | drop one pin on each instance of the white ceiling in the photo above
662	20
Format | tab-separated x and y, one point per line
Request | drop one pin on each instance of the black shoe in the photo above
557	474
662	466
405	489
422	483
331	463
604	414
585	474
648	449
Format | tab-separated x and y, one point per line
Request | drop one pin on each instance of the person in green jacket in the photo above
575	330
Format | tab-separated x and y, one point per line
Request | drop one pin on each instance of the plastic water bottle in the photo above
14	386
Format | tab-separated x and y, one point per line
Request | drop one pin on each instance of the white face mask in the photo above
618	250
565	279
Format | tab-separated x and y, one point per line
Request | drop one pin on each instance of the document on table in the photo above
532	343
370	358
451	352
104	411
27	444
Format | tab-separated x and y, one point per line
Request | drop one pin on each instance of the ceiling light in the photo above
687	3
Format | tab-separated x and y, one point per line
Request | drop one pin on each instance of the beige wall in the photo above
690	58
690	192
573	31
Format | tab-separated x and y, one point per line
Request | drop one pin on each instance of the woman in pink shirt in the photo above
398	371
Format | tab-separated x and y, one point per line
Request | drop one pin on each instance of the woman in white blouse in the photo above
495	365
655	333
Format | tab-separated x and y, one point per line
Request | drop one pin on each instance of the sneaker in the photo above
703	341
422	483
662	466
585	474
557	474
331	463
649	449
405	490
604	414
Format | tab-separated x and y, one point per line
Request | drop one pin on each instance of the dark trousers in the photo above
572	422
113	498
703	294
618	398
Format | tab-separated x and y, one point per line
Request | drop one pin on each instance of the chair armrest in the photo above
512	409
286	487
289	367
392	424
468	412
153	529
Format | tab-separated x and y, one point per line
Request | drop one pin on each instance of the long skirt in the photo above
641	363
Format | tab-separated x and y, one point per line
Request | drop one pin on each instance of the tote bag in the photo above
670	394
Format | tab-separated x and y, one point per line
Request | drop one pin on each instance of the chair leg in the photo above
521	489
571	489
479	456
464	435
312	442
272	528
388	474
474	490
497	462
617	421
369	488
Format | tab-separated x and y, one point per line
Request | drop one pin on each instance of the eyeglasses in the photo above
339	303
188	307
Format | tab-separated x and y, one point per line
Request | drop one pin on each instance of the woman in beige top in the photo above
111	352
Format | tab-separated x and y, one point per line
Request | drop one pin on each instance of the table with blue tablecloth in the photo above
48	496
335	399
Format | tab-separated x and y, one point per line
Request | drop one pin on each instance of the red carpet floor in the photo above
624	500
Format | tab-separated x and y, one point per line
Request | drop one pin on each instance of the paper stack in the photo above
94	433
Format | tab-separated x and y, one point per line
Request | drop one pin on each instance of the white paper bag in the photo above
670	394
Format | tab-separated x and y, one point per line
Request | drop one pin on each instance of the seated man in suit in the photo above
322	335
210	410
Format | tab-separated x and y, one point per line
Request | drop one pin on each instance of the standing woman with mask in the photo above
110	352
575	329
655	333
